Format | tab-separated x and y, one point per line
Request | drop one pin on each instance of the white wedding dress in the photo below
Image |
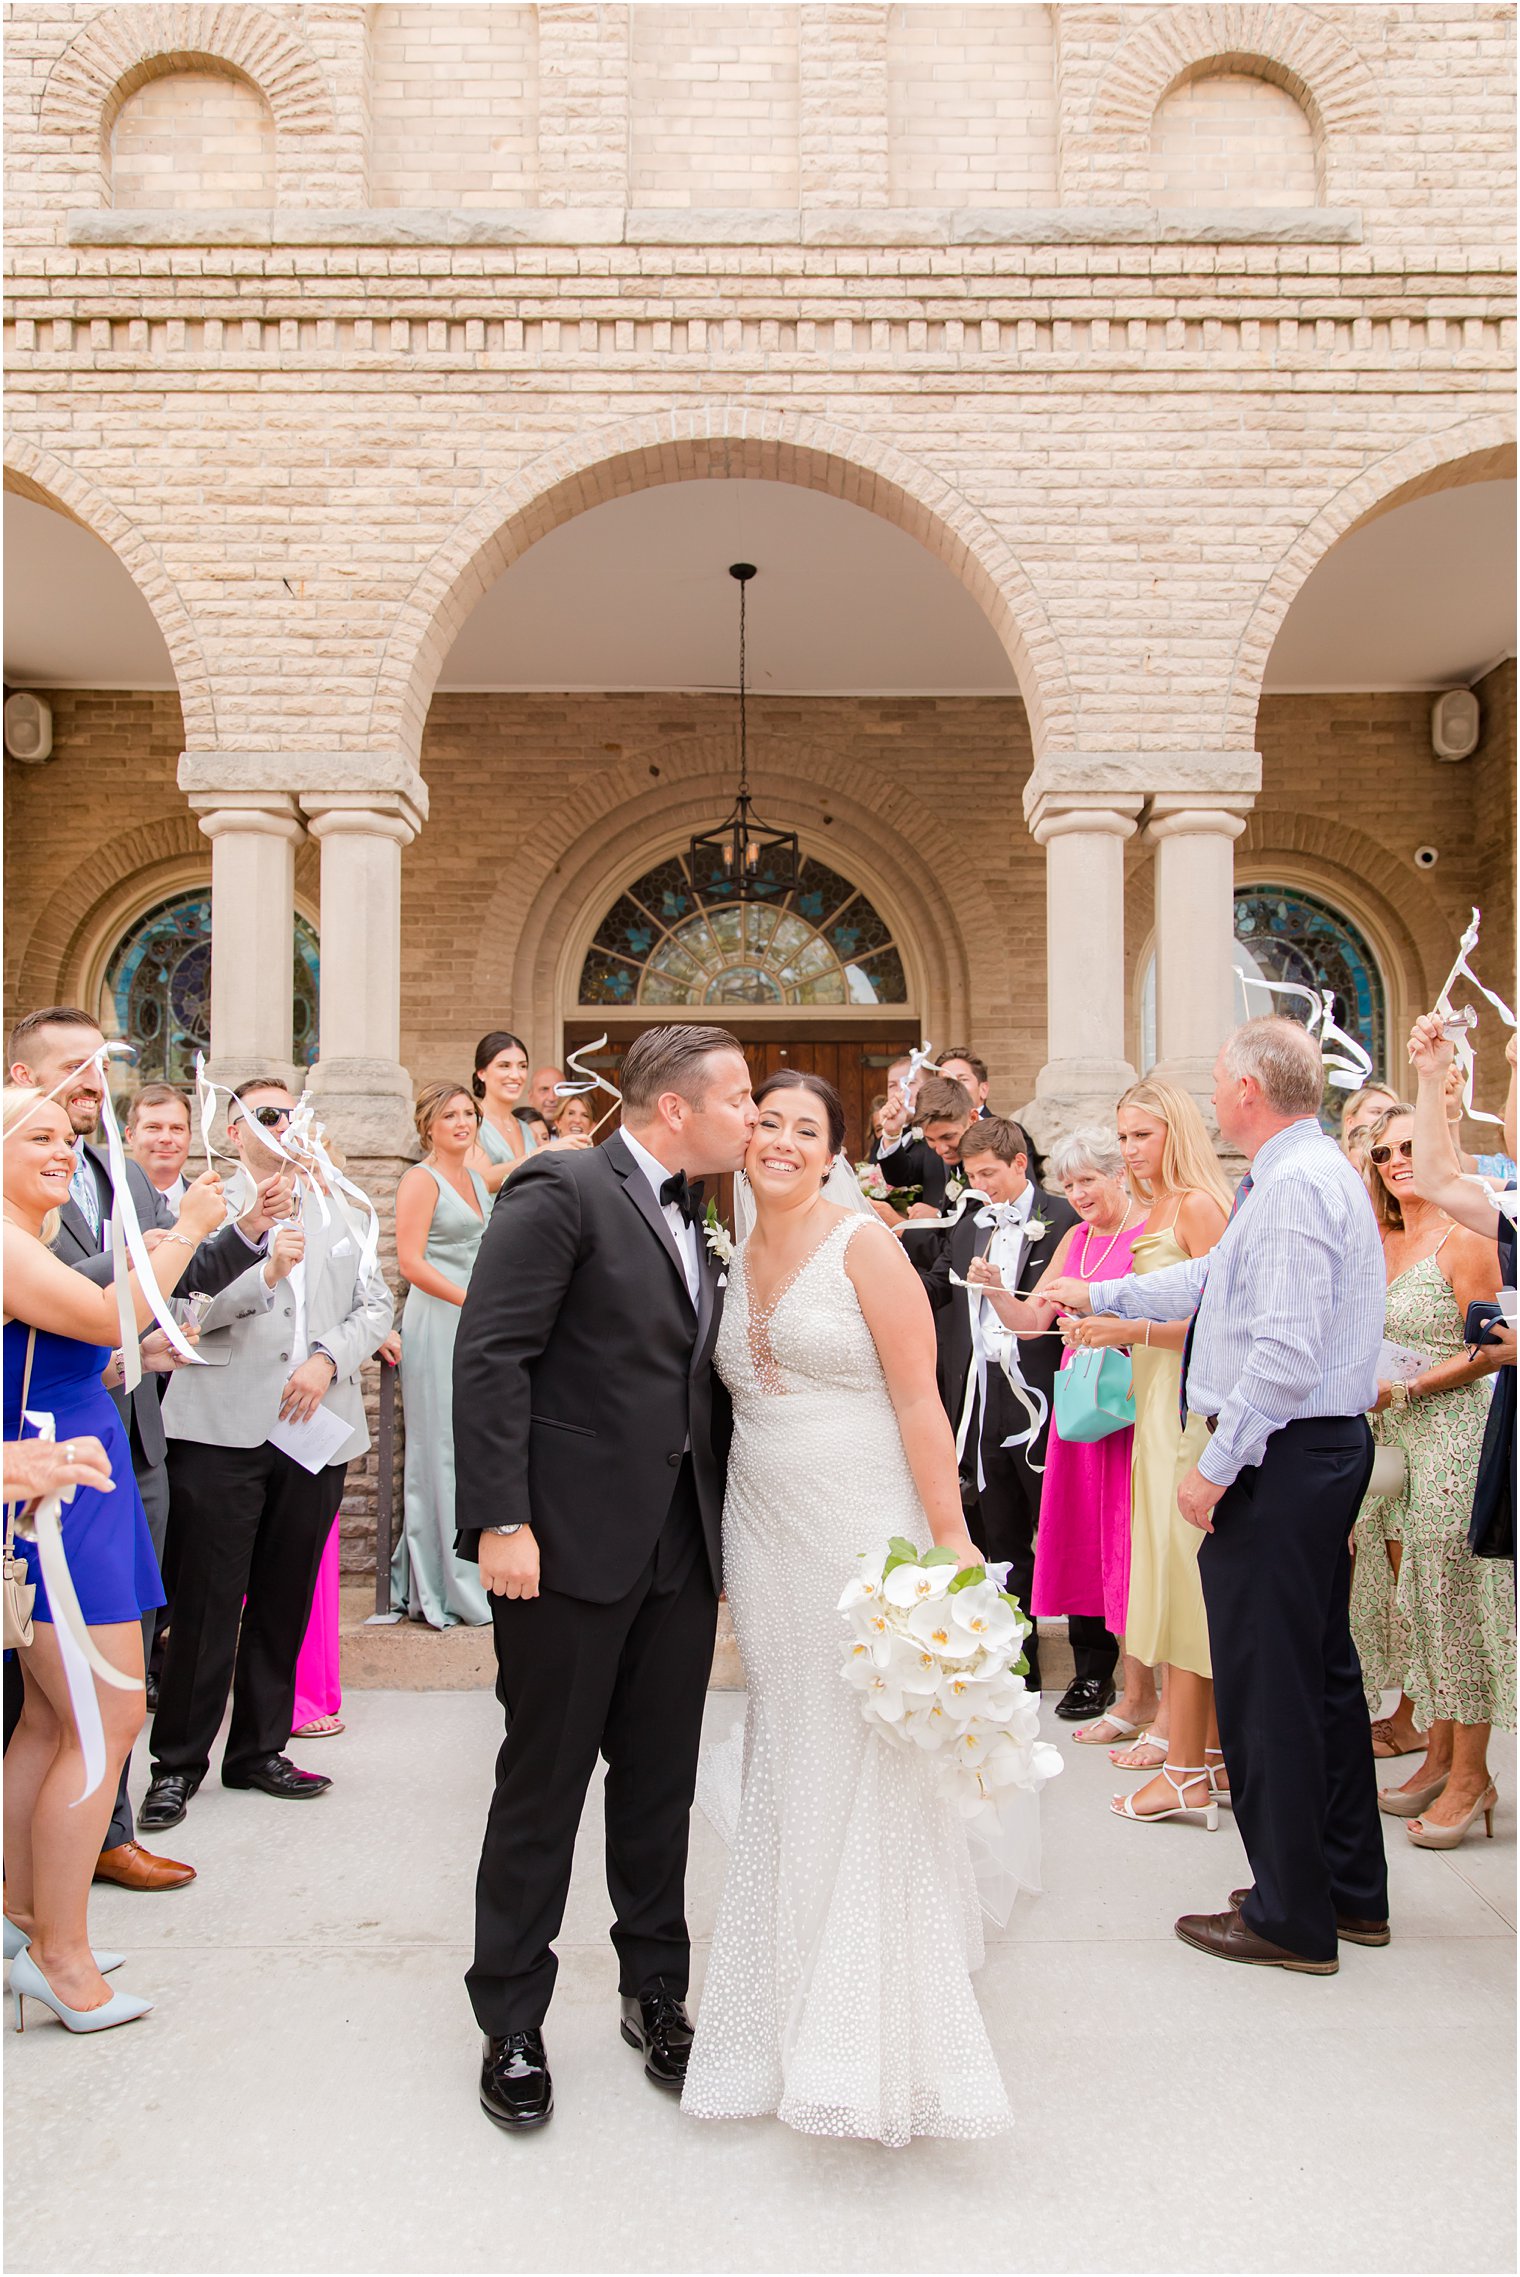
838	1993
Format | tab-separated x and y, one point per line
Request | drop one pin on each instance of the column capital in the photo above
267	814
362	814
1213	778
1093	814
1174	815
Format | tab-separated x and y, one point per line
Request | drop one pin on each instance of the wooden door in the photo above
854	1057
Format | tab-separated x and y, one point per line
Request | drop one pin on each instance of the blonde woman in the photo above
1175	1173
1360	1111
60	1329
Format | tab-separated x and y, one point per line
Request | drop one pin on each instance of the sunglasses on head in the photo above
1382	1154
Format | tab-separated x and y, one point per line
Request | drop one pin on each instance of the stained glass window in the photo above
667	941
1284	934
159	986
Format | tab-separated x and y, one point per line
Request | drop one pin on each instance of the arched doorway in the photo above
809	978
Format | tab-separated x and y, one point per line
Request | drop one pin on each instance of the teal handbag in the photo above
1095	1395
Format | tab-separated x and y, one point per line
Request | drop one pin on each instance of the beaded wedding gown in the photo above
838	1994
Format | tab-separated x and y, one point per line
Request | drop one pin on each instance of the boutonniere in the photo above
1037	1228
954	1189
720	1242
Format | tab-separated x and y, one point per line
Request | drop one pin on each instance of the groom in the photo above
589	1444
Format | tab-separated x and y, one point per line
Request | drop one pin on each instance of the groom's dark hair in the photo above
671	1059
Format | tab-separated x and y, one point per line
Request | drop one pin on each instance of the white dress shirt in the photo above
686	1239
1005	1250
1290	1303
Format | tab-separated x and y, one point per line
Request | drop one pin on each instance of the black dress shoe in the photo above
515	2087
277	1775
167	1800
1349	1927
1085	1696
656	2023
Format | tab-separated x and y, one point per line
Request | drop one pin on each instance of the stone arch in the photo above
121	49
732	441
1480	449
45	479
1294	48
571	865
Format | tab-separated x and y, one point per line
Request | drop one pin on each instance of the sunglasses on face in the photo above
270	1117
1381	1154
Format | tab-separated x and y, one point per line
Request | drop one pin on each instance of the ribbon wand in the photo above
589	1080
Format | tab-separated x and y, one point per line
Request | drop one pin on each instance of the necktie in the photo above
84	1191
677	1189
1241	1192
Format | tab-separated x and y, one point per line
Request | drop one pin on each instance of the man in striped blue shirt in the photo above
1287	1321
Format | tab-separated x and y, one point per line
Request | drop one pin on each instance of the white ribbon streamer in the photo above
590	1080
76	1647
1029	1396
1467	1058
1350	1066
920	1056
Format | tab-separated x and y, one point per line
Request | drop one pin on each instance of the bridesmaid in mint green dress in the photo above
441	1211
499	1083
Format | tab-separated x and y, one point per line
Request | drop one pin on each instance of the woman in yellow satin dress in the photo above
1173	1169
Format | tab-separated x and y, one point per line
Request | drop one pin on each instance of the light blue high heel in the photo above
29	1983
17	1941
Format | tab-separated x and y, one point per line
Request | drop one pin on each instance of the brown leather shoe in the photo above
1347	1925
1226	1936
133	1868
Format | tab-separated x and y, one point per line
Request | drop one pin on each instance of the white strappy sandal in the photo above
1179	1779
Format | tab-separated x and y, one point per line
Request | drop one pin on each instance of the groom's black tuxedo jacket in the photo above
1039	1356
581	1369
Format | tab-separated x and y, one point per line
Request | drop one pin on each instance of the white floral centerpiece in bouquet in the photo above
935	1652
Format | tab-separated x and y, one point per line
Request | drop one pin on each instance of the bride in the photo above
838	1993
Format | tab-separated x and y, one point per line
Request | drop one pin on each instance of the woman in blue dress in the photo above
60	1330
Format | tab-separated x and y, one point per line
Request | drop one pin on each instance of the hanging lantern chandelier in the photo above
743	859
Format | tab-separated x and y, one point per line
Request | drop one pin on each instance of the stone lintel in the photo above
312	780
719	225
1191	778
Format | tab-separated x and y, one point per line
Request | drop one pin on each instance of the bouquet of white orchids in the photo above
935	1652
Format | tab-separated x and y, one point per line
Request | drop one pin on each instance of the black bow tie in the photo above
677	1189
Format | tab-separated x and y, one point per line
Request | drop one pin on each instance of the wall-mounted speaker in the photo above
28	728
1456	721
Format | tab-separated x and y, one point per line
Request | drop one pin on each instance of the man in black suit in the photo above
1016	1232
590	1442
45	1049
942	1111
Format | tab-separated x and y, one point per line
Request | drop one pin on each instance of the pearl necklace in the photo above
1082	1272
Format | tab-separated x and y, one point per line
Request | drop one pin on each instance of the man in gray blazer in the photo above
46	1048
284	1344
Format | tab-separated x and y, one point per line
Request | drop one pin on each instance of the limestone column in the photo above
254	835
366	1092
1196	1000
1084	838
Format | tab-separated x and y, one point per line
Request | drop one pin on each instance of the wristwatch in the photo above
517	1529
1398	1395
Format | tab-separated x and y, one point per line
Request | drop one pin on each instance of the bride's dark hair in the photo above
795	1079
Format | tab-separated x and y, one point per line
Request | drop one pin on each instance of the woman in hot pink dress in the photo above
1081	1557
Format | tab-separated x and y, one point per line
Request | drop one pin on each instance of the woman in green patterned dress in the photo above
1425	1612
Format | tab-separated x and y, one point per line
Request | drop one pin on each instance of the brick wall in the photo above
191	141
972	105
454	105
1226	140
715	106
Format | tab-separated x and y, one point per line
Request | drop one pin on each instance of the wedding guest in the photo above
575	1119
498	1083
1362	1108
1174	1170
60	1047
943	1113
981	1363
59	1332
543	1092
896	1093
1445	1628
1082	1549
252	1519
441	1210
157	1134
1282	1362
539	1124
962	1066
1436	1179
